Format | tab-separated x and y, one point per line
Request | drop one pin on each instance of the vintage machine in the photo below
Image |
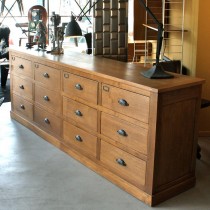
37	17
56	34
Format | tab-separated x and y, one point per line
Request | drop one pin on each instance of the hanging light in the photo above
73	29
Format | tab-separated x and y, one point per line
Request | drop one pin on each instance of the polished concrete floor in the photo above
34	175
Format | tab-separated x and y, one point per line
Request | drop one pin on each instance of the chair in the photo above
4	73
4	40
204	103
141	48
1	101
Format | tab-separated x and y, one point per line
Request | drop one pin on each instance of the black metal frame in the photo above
157	71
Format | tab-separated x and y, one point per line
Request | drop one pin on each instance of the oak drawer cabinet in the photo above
22	86
47	97
140	134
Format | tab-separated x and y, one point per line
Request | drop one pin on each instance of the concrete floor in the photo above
34	175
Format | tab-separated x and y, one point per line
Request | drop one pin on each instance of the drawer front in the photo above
82	140
47	76
128	103
47	121
128	134
22	107
23	87
48	98
81	87
123	164
22	66
80	113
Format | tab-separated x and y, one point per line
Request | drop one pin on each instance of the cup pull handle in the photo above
46	98
46	120
22	106
122	132
21	87
78	138
21	67
78	87
123	102
46	75
121	162
78	113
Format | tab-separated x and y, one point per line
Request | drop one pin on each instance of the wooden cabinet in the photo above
140	134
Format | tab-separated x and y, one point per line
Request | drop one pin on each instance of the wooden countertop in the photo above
96	65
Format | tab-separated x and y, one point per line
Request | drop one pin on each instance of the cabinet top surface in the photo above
128	73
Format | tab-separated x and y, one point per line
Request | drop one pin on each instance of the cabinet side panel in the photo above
175	143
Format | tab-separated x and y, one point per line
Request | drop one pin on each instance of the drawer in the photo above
47	76
126	133
125	165
47	121
22	107
22	66
82	140
128	103
23	87
80	113
48	98
81	87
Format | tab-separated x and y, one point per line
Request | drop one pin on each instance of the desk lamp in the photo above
157	71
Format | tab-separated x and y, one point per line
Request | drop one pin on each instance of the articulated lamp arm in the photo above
156	72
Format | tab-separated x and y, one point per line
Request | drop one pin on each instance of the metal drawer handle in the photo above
78	138
21	87
46	98
13	58
21	67
36	66
78	87
46	75
123	102
46	120
122	132
22	106
78	113
120	162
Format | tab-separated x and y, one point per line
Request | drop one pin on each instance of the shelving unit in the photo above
173	12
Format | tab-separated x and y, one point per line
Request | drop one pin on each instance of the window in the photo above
63	7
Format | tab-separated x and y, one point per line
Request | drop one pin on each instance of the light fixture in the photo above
157	71
73	29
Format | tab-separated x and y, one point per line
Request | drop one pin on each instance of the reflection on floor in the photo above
37	176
